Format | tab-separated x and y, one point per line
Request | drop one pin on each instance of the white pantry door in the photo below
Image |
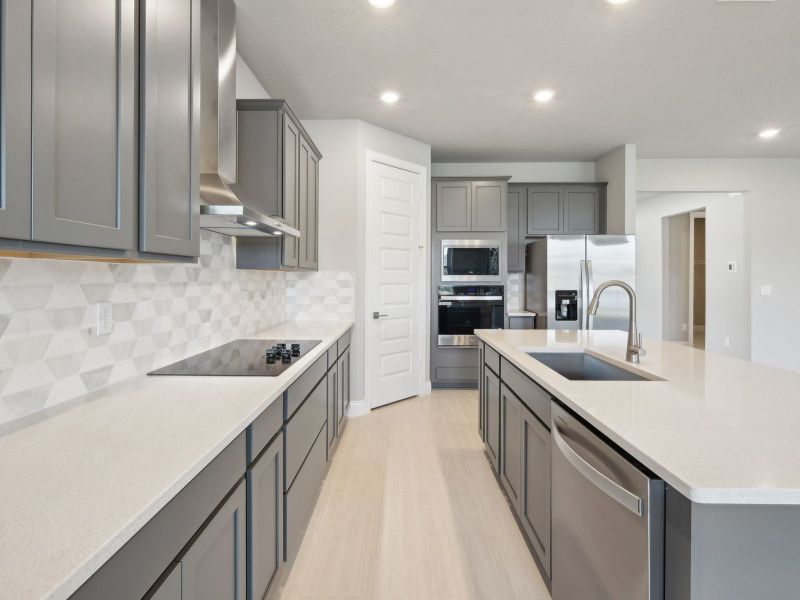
395	281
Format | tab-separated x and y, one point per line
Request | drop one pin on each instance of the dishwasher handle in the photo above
611	488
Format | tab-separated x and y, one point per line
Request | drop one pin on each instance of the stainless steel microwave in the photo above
471	260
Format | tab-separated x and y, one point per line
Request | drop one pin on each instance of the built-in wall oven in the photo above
465	308
471	260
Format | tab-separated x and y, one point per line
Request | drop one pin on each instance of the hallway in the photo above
410	510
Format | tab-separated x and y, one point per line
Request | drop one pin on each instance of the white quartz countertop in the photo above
521	313
79	482
719	430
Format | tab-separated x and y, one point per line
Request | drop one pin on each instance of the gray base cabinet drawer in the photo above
214	565
264	428
302	430
332	420
265	521
344	342
492	359
301	497
301	388
531	395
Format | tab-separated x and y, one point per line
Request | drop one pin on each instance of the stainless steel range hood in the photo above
221	210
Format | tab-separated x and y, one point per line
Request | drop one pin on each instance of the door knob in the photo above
377	315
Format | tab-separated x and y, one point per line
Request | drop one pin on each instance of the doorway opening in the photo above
697	289
684	278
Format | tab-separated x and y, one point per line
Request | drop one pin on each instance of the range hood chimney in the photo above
221	210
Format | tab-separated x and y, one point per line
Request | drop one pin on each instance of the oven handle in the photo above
471	298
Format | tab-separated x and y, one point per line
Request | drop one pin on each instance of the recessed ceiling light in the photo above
734	194
769	133
543	96
278	233
617	1
250	223
390	97
381	3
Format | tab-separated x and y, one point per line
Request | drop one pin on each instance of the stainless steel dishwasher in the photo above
607	519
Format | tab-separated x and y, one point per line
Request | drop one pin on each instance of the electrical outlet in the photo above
727	342
105	318
732	267
766	290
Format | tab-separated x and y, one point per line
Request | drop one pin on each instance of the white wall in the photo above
248	87
726	293
343	199
618	168
525	172
772	218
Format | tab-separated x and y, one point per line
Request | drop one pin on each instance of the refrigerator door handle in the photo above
582	296
589	291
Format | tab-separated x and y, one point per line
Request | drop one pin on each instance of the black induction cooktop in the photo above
243	358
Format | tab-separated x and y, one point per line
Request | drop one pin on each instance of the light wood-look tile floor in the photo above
410	510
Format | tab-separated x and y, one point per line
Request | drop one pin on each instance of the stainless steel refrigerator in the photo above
562	271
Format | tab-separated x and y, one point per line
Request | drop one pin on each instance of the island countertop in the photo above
720	430
79	481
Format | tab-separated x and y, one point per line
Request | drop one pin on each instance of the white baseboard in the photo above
427	389
358	408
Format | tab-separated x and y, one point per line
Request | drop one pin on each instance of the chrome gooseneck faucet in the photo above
635	349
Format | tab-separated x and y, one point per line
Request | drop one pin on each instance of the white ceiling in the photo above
680	78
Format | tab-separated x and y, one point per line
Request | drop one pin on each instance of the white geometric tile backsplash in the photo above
49	352
514	291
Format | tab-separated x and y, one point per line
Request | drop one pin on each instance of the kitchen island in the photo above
720	432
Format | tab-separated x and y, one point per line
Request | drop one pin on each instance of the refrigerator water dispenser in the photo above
566	305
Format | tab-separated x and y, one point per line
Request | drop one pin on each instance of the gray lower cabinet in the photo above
481	393
519	322
15	119
534	506
169	120
213	567
343	388
83	150
511	445
278	174
471	205
492	421
170	588
333	395
300	499
265	521
515	254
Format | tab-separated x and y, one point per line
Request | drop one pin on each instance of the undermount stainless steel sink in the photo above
579	366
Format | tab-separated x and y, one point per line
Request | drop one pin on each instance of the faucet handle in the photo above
639	348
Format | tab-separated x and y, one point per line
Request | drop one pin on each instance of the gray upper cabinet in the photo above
470	205
265	525
15	119
545	211
488	206
278	175
291	191
567	209
453	206
581	210
307	206
169	117
213	568
83	123
515	255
